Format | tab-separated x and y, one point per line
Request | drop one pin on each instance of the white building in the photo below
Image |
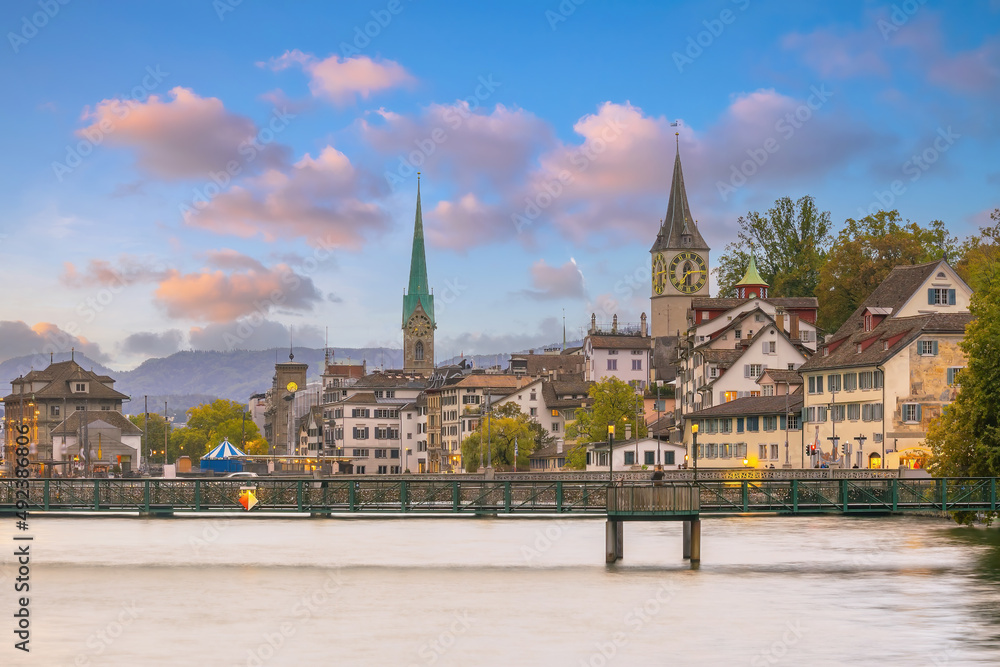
619	351
630	455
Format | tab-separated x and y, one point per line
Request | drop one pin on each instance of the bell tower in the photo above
679	262
418	306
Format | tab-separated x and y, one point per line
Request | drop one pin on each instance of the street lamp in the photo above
611	453
658	383
694	446
861	449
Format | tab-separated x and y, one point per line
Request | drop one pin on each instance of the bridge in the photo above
671	500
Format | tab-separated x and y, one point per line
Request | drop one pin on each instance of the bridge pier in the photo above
614	540
686	545
694	539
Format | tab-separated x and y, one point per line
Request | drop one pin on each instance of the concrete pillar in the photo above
696	541
614	541
686	548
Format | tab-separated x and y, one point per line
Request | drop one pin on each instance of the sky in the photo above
226	174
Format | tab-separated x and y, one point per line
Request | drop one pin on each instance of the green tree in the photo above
979	251
789	243
965	440
865	252
153	432
209	424
613	402
497	433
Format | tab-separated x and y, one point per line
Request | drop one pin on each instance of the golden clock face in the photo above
659	273
688	272
420	325
292	387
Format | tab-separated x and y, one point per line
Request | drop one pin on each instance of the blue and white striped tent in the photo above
224	458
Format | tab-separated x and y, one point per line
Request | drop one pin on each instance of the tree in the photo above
614	402
865	252
153	429
965	440
209	424
979	251
497	433
789	244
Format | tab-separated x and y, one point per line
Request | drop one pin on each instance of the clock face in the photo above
292	387
659	273
420	325
688	272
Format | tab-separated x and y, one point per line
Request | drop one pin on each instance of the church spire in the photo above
418	291
679	228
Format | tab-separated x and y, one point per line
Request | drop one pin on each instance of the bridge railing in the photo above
649	500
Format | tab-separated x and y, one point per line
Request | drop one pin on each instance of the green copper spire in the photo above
418	291
752	277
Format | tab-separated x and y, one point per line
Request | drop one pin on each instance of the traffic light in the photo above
843	448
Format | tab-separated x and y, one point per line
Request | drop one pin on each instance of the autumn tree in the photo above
978	251
496	435
613	402
864	254
210	423
789	244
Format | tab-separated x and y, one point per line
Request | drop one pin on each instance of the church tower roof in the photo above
418	292
752	277
679	229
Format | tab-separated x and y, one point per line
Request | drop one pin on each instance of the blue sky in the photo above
205	175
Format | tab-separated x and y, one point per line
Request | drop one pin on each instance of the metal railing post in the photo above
404	490
197	495
145	496
746	495
352	496
45	496
795	495
506	497
559	496
843	494
455	496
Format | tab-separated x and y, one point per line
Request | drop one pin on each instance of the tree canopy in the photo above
789	244
614	402
208	424
496	434
865	252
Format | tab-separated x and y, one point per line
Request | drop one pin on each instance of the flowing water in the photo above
503	591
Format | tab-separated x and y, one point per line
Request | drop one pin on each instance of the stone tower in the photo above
680	262
418	306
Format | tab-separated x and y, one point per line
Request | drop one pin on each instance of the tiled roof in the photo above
484	380
751	405
361	397
573	387
792	302
541	364
900	331
612	342
392	380
678	220
782	376
725	356
72	424
58	375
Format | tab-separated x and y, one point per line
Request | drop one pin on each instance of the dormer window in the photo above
859	348
686	240
79	387
868	321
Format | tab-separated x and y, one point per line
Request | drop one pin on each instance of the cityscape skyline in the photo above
242	172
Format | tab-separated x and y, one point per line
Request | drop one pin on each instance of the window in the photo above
470	399
713	372
865	380
612	351
876	437
394	470
739	424
769	346
80	386
381	453
738	334
937	296
649	458
833	383
726	425
850	381
555	427
774	452
54	410
384	413
637	364
868	321
753	424
382	470
793	422
533	397
360	433
534	412
612	364
877	380
815	384
911	413
752	370
768	390
952	378
927	348
762	452
854	411
360	452
668	458
771	423
629	458
359	470
359	412
418	355
838	412
393	453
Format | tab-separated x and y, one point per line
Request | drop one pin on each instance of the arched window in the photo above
418	351
687	273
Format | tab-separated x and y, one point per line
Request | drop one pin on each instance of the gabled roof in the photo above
58	376
752	405
613	342
786	302
678	221
752	277
782	376
392	380
485	380
71	425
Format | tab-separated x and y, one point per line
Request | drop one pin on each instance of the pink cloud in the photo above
102	273
556	282
319	199
184	137
215	296
343	80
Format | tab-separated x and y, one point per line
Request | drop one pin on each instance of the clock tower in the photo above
418	307
679	262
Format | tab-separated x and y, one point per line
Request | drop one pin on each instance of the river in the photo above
504	591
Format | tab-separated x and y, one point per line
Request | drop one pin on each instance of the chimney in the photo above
642	325
593	322
794	326
779	319
614	324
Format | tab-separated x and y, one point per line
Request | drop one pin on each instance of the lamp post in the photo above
611	453
694	447
861	449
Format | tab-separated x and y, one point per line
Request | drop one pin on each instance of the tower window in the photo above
418	351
